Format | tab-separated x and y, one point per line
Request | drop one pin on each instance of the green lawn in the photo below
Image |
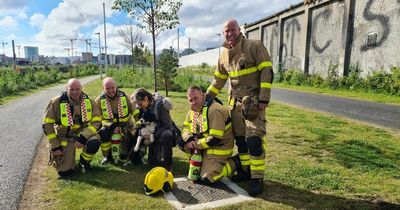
314	161
382	98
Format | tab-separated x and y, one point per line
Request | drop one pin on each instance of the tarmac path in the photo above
380	114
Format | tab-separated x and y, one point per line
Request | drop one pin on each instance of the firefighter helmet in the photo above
158	179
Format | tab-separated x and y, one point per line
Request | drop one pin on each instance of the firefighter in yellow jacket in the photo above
71	120
116	112
208	128
246	63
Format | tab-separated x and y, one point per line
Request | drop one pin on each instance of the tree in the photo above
187	51
130	37
154	15
168	62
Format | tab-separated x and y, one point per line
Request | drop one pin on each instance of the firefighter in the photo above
246	63
71	121
208	128
117	110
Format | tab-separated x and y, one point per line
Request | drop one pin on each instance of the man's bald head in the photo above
232	22
231	32
109	87
74	89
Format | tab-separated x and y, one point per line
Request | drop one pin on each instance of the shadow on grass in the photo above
129	179
303	199
360	154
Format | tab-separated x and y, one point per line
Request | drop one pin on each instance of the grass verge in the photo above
382	98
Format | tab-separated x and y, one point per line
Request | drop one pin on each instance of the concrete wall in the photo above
311	37
380	18
338	32
292	46
328	37
210	57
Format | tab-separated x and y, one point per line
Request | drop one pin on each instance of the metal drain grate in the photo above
188	193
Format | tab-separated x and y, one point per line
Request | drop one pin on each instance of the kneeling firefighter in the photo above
207	129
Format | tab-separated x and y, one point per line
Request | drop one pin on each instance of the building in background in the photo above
2	59
31	53
87	57
123	59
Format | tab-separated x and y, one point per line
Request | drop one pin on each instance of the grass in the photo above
8	99
375	97
314	161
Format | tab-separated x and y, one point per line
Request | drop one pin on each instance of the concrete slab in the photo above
187	195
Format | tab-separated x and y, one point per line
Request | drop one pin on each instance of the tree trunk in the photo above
166	84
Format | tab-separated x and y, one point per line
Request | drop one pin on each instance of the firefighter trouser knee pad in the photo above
254	144
92	146
241	144
105	134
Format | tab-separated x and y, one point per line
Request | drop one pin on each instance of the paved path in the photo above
21	131
370	112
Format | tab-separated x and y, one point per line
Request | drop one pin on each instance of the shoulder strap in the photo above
64	97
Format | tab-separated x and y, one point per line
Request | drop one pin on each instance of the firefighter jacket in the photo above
65	119
212	129
116	111
249	69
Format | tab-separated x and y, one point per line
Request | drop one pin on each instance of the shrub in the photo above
332	81
395	85
379	82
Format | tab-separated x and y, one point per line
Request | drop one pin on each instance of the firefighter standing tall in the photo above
208	128
70	120
246	63
116	111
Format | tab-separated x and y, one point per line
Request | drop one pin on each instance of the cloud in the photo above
8	23
200	20
37	20
67	21
203	19
13	7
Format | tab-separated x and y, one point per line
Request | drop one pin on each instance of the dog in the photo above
146	134
145	137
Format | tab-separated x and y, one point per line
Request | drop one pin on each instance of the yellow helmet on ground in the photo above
158	179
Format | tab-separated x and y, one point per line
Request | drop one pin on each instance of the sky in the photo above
50	24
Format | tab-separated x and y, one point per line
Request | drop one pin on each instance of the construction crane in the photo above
88	43
72	45
4	43
67	50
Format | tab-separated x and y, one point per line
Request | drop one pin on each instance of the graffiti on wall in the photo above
294	26
382	19
321	16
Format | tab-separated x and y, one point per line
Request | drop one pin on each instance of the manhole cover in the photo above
186	194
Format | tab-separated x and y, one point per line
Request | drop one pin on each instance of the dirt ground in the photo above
37	181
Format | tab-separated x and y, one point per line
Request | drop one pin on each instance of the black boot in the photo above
66	174
256	187
204	181
84	165
240	175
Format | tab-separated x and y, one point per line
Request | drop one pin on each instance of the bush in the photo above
379	82
332	81
314	80
12	82
125	77
395	85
